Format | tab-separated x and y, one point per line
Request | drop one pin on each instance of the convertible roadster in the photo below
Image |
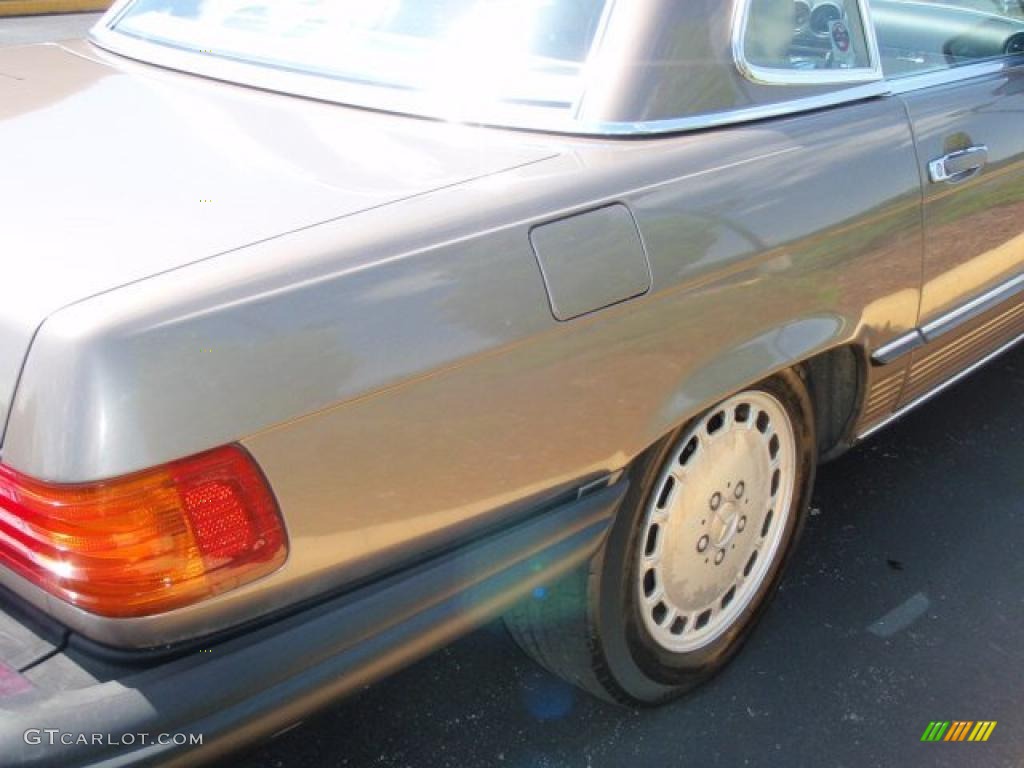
332	329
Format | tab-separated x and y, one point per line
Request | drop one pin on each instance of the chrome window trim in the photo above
778	76
953	75
738	116
322	89
292	83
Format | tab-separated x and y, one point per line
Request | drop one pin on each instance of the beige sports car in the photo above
331	329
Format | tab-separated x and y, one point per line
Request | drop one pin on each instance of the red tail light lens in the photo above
145	543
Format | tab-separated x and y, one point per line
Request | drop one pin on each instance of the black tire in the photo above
587	628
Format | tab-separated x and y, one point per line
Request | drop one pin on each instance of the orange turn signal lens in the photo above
145	543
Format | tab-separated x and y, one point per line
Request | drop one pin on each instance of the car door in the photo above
960	73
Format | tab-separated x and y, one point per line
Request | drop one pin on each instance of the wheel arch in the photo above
837	382
833	367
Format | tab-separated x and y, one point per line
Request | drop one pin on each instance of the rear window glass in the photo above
530	51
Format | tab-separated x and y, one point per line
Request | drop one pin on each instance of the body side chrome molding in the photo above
975	308
949	322
940	388
939	329
903	345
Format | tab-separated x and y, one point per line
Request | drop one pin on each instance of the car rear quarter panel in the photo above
401	379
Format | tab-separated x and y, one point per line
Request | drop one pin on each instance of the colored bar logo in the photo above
958	730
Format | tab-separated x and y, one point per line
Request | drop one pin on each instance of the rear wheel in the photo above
694	555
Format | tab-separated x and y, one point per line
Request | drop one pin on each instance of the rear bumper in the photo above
261	682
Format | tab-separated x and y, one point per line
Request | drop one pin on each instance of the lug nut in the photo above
719	557
741	525
703	543
740	489
716	502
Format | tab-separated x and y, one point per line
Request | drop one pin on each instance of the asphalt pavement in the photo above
904	605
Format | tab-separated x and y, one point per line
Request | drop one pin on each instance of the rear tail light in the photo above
144	543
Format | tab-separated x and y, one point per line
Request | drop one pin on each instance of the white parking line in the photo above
901	617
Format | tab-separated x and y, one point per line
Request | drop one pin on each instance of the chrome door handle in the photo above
957	166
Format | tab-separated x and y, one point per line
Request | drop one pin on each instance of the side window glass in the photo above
804	41
916	36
